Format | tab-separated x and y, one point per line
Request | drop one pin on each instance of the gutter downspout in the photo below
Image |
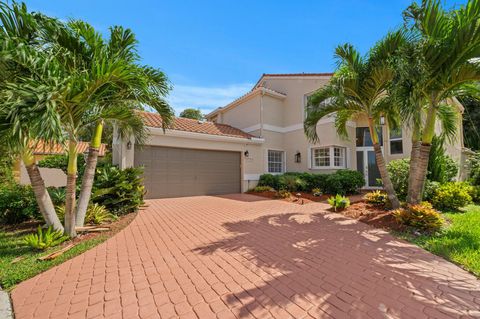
261	112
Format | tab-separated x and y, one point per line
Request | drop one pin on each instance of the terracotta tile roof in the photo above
195	126
56	149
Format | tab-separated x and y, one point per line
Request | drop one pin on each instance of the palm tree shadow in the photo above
324	263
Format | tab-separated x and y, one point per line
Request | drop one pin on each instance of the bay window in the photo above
329	157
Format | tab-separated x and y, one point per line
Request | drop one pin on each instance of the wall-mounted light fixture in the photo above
298	157
246	153
382	120
129	145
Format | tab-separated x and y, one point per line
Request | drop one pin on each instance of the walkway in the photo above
248	257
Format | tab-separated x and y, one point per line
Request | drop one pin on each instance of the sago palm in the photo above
437	65
359	88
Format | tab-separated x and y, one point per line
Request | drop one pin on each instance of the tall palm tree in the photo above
439	64
23	121
106	83
359	88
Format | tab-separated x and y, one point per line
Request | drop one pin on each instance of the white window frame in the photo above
331	155
283	161
395	139
305	99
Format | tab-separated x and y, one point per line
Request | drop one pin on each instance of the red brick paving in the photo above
240	256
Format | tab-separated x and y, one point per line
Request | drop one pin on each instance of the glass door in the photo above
367	165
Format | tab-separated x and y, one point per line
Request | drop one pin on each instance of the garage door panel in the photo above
175	172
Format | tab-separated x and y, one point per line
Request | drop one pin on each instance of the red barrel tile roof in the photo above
195	126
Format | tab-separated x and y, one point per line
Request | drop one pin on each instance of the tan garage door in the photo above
176	172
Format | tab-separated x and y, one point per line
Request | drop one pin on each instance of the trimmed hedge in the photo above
341	182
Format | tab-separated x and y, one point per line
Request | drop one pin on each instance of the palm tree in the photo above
106	83
359	88
437	65
23	121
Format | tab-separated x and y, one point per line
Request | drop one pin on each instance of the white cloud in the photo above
205	98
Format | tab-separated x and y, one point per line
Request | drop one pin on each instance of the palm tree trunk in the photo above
420	164
414	155
71	189
42	196
87	184
387	183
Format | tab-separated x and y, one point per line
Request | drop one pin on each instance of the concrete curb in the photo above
5	305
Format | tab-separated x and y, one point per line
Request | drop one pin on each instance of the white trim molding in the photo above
291	128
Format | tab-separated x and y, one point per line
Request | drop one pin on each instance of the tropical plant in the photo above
359	88
452	196
339	202
441	167
438	64
283	193
377	198
291	182
44	239
98	214
317	192
30	117
120	191
269	180
261	189
420	216
194	114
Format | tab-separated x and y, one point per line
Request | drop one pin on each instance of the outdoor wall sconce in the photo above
246	153
129	145
382	120
298	157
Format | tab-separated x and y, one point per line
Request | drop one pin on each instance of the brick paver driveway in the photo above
239	256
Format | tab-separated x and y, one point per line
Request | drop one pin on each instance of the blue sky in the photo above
214	51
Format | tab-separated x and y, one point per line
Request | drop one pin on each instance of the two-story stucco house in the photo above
260	132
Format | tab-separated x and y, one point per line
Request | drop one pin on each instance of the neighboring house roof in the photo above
270	75
42	148
195	126
248	95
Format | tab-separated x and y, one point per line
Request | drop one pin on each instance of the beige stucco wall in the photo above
51	176
244	115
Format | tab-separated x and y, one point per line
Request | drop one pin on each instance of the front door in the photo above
367	165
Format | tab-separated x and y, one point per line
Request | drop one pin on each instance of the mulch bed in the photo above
359	210
372	215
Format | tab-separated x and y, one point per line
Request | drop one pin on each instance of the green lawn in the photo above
12	246
459	242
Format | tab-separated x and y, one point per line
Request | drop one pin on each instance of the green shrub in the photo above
441	167
45	239
98	214
474	168
398	172
58	195
317	192
17	204
452	196
339	202
343	182
316	181
429	190
292	182
120	191
475	193
376	198
261	189
283	193
269	180
421	217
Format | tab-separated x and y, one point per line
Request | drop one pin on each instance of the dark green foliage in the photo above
57	195
6	165
44	239
269	180
341	182
17	204
471	122
120	191
398	171
344	182
61	162
474	167
190	113
441	167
